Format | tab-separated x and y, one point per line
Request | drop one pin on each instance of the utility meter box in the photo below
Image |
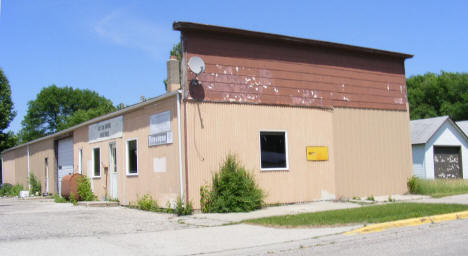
317	153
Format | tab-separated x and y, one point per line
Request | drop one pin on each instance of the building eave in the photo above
95	120
190	26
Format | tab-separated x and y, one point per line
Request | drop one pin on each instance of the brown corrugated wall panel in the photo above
261	72
216	129
372	152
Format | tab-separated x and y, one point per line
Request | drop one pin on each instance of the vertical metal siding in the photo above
216	129
372	150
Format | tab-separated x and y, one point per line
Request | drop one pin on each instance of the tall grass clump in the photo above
437	187
233	189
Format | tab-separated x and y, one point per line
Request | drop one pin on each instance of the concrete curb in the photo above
409	222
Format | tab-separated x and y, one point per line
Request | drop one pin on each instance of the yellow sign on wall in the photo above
317	153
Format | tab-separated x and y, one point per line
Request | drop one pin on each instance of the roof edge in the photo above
454	124
96	119
190	26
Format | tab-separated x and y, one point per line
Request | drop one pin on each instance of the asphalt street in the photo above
444	238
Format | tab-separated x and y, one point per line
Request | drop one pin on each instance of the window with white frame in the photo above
132	157
97	162
273	150
80	161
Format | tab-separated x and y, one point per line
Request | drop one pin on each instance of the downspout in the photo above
179	142
29	170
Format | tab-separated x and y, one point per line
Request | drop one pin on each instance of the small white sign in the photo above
108	129
159	164
160	122
160	139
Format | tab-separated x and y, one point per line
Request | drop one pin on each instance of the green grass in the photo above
438	187
367	214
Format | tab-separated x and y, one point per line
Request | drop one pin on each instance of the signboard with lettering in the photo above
105	130
160	129
160	138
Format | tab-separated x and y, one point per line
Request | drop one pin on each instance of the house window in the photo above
97	162
132	157
274	152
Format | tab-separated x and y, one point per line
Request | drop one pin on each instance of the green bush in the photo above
147	203
7	189
182	209
35	184
59	199
233	189
72	198
84	189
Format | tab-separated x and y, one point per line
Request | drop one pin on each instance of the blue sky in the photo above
119	48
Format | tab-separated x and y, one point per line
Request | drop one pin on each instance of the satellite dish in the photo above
196	64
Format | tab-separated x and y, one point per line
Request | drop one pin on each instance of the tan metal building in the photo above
311	119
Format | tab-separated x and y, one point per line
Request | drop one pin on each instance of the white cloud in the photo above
121	28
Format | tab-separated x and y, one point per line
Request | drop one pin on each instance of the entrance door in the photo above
112	171
447	163
65	160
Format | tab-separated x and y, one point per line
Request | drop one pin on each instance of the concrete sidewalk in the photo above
217	219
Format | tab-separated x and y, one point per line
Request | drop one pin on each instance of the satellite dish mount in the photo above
196	65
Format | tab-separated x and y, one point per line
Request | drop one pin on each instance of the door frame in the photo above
113	175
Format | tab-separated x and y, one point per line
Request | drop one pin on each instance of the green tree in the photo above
7	113
431	95
57	108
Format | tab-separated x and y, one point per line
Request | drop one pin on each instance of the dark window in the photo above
132	156
97	162
273	150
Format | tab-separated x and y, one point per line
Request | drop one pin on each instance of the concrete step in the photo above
98	203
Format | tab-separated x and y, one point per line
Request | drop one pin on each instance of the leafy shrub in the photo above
147	203
59	199
182	209
35	184
84	189
72	198
15	190
5	189
233	189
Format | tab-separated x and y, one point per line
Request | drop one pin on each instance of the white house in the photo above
440	148
464	126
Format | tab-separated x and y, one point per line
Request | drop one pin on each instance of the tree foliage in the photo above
431	95
7	113
57	108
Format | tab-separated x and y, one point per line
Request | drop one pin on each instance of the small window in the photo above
132	157
80	161
97	162
273	147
